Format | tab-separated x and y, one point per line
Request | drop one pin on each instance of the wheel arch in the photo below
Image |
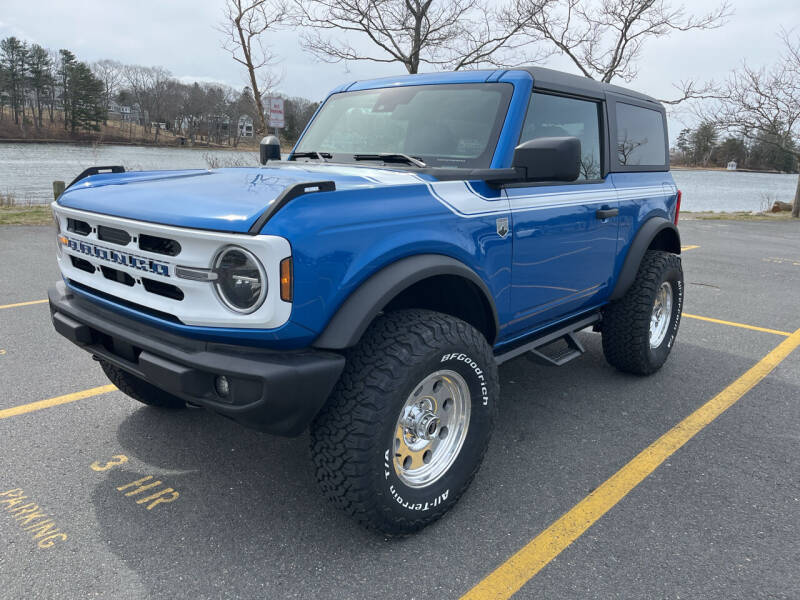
657	233
429	281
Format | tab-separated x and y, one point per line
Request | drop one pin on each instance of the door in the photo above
565	235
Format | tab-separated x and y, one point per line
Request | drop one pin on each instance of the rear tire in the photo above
139	389
406	427
639	329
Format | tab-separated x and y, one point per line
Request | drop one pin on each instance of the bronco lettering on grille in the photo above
121	258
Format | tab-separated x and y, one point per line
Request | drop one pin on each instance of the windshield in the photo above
454	125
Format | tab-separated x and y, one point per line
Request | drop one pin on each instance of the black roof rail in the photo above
288	194
96	171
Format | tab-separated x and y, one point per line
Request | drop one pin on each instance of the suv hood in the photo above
218	200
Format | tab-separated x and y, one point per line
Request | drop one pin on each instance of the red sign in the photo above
276	112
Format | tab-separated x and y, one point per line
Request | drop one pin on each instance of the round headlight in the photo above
241	281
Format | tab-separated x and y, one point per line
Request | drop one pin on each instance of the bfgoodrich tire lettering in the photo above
353	437
626	322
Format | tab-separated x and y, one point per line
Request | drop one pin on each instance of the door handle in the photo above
606	213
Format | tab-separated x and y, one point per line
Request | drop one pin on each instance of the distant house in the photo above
121	112
732	165
245	126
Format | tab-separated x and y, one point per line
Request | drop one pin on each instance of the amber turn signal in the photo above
286	279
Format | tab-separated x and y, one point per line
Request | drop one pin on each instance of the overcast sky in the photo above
181	36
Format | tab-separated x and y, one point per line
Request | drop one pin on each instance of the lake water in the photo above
28	170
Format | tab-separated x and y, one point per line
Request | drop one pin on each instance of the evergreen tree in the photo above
87	98
731	148
13	63
39	66
684	144
66	62
771	152
704	138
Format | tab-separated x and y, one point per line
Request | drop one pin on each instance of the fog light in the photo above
222	386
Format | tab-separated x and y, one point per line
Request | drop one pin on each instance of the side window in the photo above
557	116
641	136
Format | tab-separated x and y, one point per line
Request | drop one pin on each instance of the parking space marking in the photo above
685	248
782	261
45	528
34	406
509	577
734	324
163	496
23	303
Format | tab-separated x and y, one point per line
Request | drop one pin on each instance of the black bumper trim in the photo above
276	392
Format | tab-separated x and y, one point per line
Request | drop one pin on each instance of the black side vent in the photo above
79	227
113	235
83	265
117	275
159	245
162	289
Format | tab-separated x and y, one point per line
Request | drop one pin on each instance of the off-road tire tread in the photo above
140	390
341	444
625	325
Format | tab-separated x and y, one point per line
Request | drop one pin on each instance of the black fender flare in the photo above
353	317
669	240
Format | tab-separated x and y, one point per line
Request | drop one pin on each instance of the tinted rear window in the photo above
641	136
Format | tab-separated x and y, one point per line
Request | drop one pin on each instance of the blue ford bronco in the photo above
423	230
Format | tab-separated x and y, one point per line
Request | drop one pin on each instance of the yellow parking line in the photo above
23	304
33	406
685	248
734	324
509	577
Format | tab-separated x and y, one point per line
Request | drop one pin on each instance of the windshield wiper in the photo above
323	156
391	157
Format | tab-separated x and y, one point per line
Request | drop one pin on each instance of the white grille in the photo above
200	305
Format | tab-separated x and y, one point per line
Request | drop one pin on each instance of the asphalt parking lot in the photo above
232	513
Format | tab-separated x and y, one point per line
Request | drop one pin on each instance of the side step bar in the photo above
567	333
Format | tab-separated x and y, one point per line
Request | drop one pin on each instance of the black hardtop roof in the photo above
558	81
543	79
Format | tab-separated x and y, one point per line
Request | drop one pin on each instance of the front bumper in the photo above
276	392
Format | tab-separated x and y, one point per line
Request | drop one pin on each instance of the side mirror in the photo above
269	149
549	159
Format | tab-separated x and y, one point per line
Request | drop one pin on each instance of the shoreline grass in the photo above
39	214
737	216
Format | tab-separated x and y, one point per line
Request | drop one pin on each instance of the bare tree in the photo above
764	104
110	72
149	86
245	25
450	34
604	38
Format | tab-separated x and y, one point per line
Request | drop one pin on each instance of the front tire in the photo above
408	423
139	389
639	329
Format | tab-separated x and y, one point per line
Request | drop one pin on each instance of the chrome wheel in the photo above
431	428
661	315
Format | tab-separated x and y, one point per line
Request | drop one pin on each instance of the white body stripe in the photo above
462	199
